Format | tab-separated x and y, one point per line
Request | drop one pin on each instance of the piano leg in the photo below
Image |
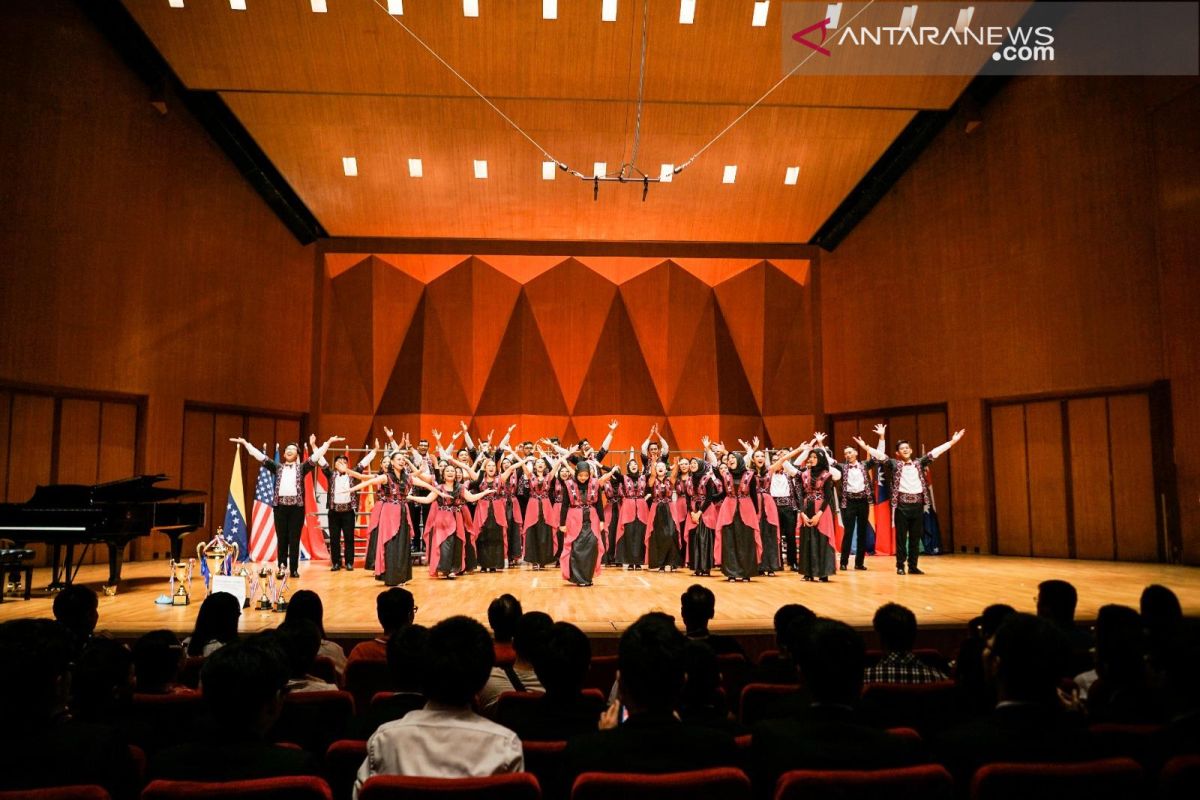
56	571
116	552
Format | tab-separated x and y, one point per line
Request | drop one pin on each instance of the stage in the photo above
953	590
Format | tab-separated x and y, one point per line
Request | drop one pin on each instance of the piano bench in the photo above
13	561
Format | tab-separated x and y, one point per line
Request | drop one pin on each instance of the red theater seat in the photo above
58	793
723	783
928	782
602	673
511	786
313	720
924	706
159	718
1108	779
342	760
760	700
365	679
1180	778
289	788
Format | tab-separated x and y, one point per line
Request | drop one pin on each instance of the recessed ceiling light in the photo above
318	6
470	8
549	9
730	173
964	19
687	12
666	173
908	16
396	8
608	11
833	13
175	3
759	19
548	168
237	5
415	169
793	175
480	169
599	169
350	166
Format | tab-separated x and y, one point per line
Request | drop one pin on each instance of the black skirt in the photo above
700	548
584	551
738	559
633	543
489	545
664	539
397	555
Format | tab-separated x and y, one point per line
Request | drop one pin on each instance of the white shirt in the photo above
440	742
910	478
341	487
498	683
287	480
780	485
856	477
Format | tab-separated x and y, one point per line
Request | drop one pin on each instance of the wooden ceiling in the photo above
313	88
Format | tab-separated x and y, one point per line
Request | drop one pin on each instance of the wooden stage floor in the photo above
955	589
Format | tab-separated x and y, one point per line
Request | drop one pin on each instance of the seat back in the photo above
927	782
1180	778
366	678
160	720
722	783
1107	779
189	673
313	720
602	674
734	668
58	793
324	668
509	786
927	707
342	760
544	761
760	701
288	788
1137	741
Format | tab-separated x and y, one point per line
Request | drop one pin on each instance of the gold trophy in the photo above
244	574
281	585
181	576
220	553
267	581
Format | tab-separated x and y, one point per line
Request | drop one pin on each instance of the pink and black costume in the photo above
737	538
814	491
540	522
582	546
446	533
662	540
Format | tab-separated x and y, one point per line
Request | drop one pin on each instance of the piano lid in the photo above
135	489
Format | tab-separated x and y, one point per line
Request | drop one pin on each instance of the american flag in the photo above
262	525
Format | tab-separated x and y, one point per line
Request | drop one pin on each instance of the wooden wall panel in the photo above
1091	478
30	449
1134	500
196	469
932	431
5	429
1047	481
78	452
118	441
1011	481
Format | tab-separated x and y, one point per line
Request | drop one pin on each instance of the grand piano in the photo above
113	513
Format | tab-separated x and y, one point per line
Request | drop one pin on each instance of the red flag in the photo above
312	539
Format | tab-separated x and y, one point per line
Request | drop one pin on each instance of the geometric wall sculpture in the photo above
562	345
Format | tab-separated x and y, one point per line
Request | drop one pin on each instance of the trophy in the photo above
181	576
281	585
244	574
220	553
266	579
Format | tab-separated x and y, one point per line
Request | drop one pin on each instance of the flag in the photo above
263	546
881	512
312	538
932	539
235	515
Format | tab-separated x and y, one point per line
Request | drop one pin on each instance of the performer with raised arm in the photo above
814	490
450	526
392	557
633	516
737	524
910	493
653	451
662	540
289	495
343	503
498	519
558	497
582	547
541	518
701	496
768	514
856	490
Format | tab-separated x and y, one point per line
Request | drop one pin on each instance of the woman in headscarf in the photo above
633	517
662	541
701	493
583	548
813	485
737	523
768	514
449	527
393	536
494	519
541	514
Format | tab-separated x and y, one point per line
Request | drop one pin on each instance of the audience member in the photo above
42	744
242	684
394	608
519	676
561	663
829	733
650	662
1025	660
1161	614
503	615
157	657
1118	689
446	739
306	604
1182	691
77	607
300	640
697	606
781	667
897	629
703	701
102	683
975	693
216	624
1056	601
405	658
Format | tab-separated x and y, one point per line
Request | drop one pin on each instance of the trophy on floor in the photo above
219	553
244	573
281	585
266	580
181	576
